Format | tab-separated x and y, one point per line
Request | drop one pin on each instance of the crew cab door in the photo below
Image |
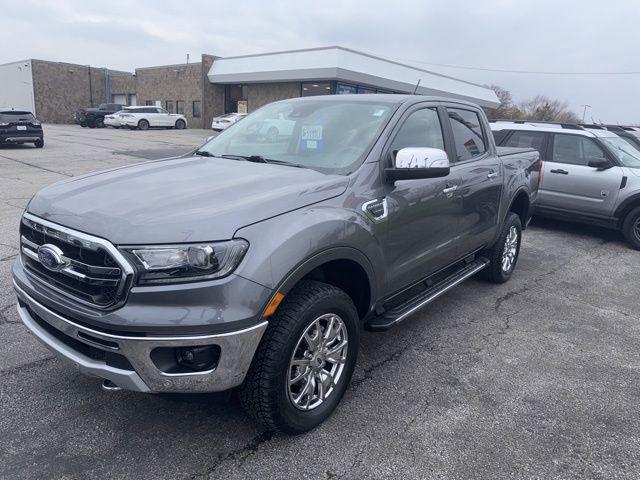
481	179
423	213
569	184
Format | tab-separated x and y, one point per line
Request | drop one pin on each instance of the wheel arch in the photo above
521	206
344	267
625	207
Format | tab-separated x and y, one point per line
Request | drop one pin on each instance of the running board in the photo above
399	313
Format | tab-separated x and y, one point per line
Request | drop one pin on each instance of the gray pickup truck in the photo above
256	261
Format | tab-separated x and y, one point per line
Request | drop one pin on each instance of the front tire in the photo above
503	255
305	360
631	228
99	123
180	125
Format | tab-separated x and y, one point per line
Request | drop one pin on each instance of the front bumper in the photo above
139	372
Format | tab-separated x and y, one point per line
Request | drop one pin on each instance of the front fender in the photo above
284	249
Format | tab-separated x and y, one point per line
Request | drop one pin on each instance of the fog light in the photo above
198	358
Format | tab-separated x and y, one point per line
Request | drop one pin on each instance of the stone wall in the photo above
60	89
212	95
262	93
172	82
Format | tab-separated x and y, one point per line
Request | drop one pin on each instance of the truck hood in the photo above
192	199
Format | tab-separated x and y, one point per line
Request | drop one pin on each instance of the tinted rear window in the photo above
16	117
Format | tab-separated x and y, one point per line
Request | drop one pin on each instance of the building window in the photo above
197	108
344	89
311	89
180	107
132	99
170	106
148	103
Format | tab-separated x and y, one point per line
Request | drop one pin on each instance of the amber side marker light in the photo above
273	304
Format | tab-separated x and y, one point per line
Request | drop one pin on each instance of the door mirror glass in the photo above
599	163
419	162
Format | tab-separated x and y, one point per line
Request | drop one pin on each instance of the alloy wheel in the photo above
510	249
317	362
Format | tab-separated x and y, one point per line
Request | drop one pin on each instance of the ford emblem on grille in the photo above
51	257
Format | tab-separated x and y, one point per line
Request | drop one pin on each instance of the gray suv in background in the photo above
255	261
590	175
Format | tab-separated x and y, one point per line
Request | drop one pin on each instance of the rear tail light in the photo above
539	174
4	124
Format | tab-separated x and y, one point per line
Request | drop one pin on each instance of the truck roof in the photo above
392	98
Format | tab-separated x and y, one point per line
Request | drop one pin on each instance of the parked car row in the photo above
134	117
143	118
591	173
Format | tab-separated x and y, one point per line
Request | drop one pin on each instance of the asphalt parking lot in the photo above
536	378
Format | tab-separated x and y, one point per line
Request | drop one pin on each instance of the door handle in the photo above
448	191
492	174
560	171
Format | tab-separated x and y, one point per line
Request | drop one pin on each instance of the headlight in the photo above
187	263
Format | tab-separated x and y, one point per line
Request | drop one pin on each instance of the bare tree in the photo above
539	108
506	109
544	109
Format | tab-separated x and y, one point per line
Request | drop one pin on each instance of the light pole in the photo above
584	112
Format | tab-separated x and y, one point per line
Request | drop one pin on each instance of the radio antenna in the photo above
417	85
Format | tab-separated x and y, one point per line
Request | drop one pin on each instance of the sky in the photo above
585	38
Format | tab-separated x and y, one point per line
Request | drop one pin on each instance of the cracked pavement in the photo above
536	378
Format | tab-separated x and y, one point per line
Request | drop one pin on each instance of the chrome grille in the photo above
90	270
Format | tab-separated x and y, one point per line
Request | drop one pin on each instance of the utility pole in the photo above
584	112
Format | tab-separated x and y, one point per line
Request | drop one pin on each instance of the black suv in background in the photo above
20	126
94	117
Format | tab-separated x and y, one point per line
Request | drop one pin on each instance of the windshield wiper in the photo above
249	158
261	159
203	153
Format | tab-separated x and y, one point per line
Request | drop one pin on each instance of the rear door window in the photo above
468	134
524	139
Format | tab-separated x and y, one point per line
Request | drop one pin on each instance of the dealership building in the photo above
214	85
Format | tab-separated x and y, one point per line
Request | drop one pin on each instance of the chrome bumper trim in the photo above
237	350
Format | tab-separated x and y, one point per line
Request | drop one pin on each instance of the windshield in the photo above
624	151
328	136
16	117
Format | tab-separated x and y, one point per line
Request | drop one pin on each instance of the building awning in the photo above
345	65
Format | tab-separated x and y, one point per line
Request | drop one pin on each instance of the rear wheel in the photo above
631	228
305	359
99	123
503	255
143	125
180	124
39	143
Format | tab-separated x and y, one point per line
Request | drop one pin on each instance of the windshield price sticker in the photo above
311	137
312	132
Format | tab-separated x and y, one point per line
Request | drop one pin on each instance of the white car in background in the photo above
225	121
146	117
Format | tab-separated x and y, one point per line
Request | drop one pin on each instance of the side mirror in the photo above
599	163
415	163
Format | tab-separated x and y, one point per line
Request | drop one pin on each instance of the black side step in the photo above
391	317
